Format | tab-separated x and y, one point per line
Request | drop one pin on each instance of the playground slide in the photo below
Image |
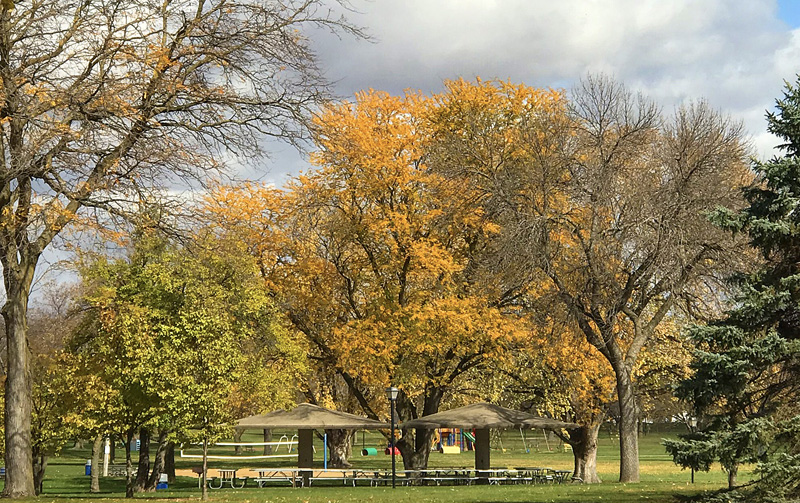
469	436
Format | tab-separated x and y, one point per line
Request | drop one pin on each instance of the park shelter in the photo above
306	418
481	417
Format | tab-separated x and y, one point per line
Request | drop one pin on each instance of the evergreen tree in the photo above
746	384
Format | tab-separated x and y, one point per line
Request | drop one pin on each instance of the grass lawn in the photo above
661	479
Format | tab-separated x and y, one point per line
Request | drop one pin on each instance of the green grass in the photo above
661	480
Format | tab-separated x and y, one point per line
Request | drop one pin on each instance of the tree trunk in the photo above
204	476
340	446
19	454
143	470
39	467
237	437
128	466
415	456
158	463
584	450
169	462
732	473
267	438
97	448
628	433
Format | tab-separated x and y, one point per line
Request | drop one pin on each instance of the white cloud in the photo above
733	53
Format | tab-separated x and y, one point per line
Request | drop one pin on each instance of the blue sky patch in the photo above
789	12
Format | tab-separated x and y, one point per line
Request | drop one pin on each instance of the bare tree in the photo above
606	202
103	101
641	241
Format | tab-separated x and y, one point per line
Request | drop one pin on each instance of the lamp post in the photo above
693	428
391	394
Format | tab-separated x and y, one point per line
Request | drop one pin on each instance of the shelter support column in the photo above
305	454
482	454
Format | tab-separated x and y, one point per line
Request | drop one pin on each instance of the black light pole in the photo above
693	428
391	394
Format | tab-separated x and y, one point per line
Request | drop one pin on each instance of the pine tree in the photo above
746	384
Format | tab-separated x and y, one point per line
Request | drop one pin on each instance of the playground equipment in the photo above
453	440
367	451
524	444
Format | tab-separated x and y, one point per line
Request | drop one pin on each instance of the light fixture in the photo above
391	394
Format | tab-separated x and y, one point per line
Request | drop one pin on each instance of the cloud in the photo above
733	53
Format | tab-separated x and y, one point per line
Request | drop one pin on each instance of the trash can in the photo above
162	481
88	467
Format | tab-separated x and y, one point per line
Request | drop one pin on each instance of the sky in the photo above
735	54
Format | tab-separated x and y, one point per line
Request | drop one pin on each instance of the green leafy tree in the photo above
746	381
50	430
162	342
117	347
50	323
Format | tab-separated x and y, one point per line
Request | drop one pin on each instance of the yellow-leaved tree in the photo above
377	261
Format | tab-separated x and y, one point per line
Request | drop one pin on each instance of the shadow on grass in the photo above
77	488
116	496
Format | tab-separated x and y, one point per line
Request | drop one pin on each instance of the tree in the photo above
115	353
559	374
162	343
558	381
745	386
371	256
103	101
50	430
607	201
50	324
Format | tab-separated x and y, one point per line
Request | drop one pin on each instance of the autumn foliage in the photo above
441	237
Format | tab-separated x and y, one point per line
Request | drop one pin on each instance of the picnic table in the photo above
226	475
219	478
295	475
264	475
437	476
561	475
469	476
